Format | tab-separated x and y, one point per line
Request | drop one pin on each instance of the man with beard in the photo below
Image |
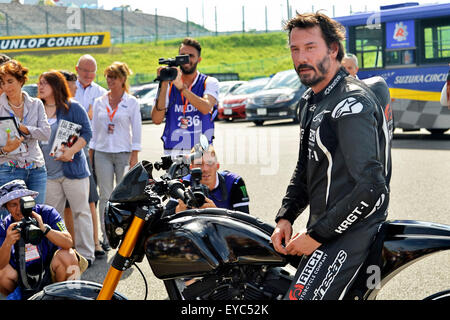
189	103
343	169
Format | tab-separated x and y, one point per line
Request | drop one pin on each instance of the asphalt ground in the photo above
265	157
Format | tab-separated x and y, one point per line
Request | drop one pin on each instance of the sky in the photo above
229	12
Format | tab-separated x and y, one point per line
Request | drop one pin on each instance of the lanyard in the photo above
111	113
185	101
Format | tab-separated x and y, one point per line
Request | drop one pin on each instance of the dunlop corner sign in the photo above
52	42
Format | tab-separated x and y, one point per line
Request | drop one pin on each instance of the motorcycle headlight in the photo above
285	97
117	219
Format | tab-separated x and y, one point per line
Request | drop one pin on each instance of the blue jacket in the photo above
78	167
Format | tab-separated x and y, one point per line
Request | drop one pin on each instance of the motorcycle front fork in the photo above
119	264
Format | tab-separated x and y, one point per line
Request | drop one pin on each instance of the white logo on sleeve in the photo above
346	107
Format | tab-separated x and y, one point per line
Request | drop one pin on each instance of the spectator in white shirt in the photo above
86	92
87	89
116	133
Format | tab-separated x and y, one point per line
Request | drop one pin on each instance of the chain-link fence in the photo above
125	26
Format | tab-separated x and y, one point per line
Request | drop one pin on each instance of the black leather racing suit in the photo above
343	173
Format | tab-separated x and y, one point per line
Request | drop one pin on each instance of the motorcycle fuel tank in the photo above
198	242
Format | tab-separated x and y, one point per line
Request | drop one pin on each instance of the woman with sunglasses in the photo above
68	173
116	133
21	158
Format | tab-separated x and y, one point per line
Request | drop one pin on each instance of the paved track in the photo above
266	156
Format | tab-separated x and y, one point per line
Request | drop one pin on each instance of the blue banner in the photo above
400	35
418	78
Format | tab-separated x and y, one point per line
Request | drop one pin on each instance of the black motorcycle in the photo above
217	254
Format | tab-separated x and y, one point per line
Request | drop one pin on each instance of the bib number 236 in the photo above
188	121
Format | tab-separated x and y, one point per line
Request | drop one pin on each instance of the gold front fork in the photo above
125	250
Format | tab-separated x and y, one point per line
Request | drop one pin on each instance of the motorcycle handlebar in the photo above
176	190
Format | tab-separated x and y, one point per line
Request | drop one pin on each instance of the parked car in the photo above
233	105
277	100
146	102
226	87
31	89
140	90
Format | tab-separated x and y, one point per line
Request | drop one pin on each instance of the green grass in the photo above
250	55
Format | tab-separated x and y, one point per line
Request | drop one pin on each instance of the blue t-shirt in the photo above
185	123
46	248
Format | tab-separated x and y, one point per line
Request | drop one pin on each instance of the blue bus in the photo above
409	46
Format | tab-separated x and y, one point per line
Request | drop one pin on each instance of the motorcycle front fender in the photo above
73	290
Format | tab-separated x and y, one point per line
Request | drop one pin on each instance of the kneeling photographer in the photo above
36	248
224	189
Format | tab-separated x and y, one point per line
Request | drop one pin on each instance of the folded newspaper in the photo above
9	124
66	136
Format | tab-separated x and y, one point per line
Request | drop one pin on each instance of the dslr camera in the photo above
28	226
169	73
199	190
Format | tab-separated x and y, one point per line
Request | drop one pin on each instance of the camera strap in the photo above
20	257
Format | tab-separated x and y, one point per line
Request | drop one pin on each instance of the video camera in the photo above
28	226
199	190
169	73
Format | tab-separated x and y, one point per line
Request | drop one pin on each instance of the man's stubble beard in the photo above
323	67
189	71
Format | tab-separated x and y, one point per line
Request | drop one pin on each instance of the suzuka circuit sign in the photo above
55	42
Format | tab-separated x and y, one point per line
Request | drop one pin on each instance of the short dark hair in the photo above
14	68
332	31
70	76
193	43
4	58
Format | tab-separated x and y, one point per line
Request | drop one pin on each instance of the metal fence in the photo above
125	26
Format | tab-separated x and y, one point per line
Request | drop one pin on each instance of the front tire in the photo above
441	296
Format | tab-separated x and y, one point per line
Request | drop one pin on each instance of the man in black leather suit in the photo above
343	169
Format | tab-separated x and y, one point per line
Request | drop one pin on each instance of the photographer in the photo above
226	189
189	103
50	255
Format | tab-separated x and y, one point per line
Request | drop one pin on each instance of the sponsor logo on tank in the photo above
307	275
333	270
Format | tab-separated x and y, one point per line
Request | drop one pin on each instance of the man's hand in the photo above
208	204
12	236
283	231
39	220
178	82
183	207
302	244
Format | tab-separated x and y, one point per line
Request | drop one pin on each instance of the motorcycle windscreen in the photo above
132	186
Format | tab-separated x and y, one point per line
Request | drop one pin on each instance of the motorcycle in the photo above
218	254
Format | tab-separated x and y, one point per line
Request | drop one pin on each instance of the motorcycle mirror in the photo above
204	142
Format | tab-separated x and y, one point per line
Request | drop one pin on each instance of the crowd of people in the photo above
345	183
68	184
71	186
